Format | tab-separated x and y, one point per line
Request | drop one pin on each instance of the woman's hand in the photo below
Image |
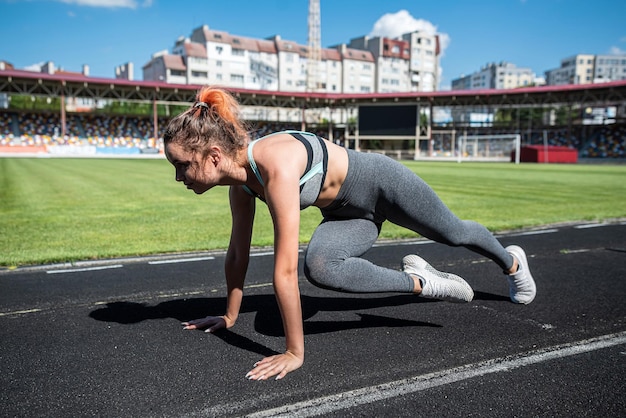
211	323
278	365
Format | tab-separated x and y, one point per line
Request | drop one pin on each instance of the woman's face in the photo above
196	172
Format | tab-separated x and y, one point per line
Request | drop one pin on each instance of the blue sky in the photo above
534	34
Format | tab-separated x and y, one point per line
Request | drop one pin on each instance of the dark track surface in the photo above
77	341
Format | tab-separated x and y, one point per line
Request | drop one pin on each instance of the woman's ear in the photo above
215	155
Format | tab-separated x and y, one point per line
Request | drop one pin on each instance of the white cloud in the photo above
615	50
130	4
34	67
393	25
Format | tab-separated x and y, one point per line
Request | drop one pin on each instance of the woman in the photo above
356	192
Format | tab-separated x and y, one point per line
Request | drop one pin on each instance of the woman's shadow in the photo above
268	319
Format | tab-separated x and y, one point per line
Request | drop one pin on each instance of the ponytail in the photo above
212	120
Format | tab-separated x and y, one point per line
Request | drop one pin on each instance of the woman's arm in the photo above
242	207
282	194
236	265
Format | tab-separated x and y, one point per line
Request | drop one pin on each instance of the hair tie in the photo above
201	104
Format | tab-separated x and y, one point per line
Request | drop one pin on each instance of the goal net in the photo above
455	146
488	147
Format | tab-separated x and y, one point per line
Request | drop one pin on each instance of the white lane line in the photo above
271	252
77	270
399	243
340	401
582	250
590	226
27	311
254	286
181	260
540	232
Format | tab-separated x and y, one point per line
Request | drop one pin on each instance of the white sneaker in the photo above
437	284
521	283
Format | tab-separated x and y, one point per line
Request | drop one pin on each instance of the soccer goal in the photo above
488	147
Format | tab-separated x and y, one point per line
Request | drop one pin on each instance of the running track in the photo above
105	338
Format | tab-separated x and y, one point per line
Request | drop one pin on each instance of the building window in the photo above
236	78
238	52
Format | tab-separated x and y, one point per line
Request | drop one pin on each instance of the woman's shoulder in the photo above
290	132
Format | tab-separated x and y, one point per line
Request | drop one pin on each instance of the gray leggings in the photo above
376	189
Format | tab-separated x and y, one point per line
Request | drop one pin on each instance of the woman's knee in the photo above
321	270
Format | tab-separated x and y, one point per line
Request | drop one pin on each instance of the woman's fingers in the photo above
278	366
212	323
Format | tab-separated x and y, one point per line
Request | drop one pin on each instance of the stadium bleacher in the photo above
608	142
135	134
44	129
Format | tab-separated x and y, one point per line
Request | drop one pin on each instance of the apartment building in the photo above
503	75
587	69
609	68
391	62
424	68
358	74
274	64
573	70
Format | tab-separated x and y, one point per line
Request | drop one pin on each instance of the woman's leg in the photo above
413	204
332	259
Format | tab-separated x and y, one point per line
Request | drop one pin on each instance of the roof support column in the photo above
155	120
63	116
330	125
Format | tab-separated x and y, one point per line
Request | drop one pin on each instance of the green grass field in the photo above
60	210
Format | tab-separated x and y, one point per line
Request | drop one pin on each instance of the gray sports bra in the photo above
312	180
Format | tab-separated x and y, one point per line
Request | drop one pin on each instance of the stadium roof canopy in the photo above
70	85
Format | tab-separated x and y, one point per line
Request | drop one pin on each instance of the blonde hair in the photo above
212	120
